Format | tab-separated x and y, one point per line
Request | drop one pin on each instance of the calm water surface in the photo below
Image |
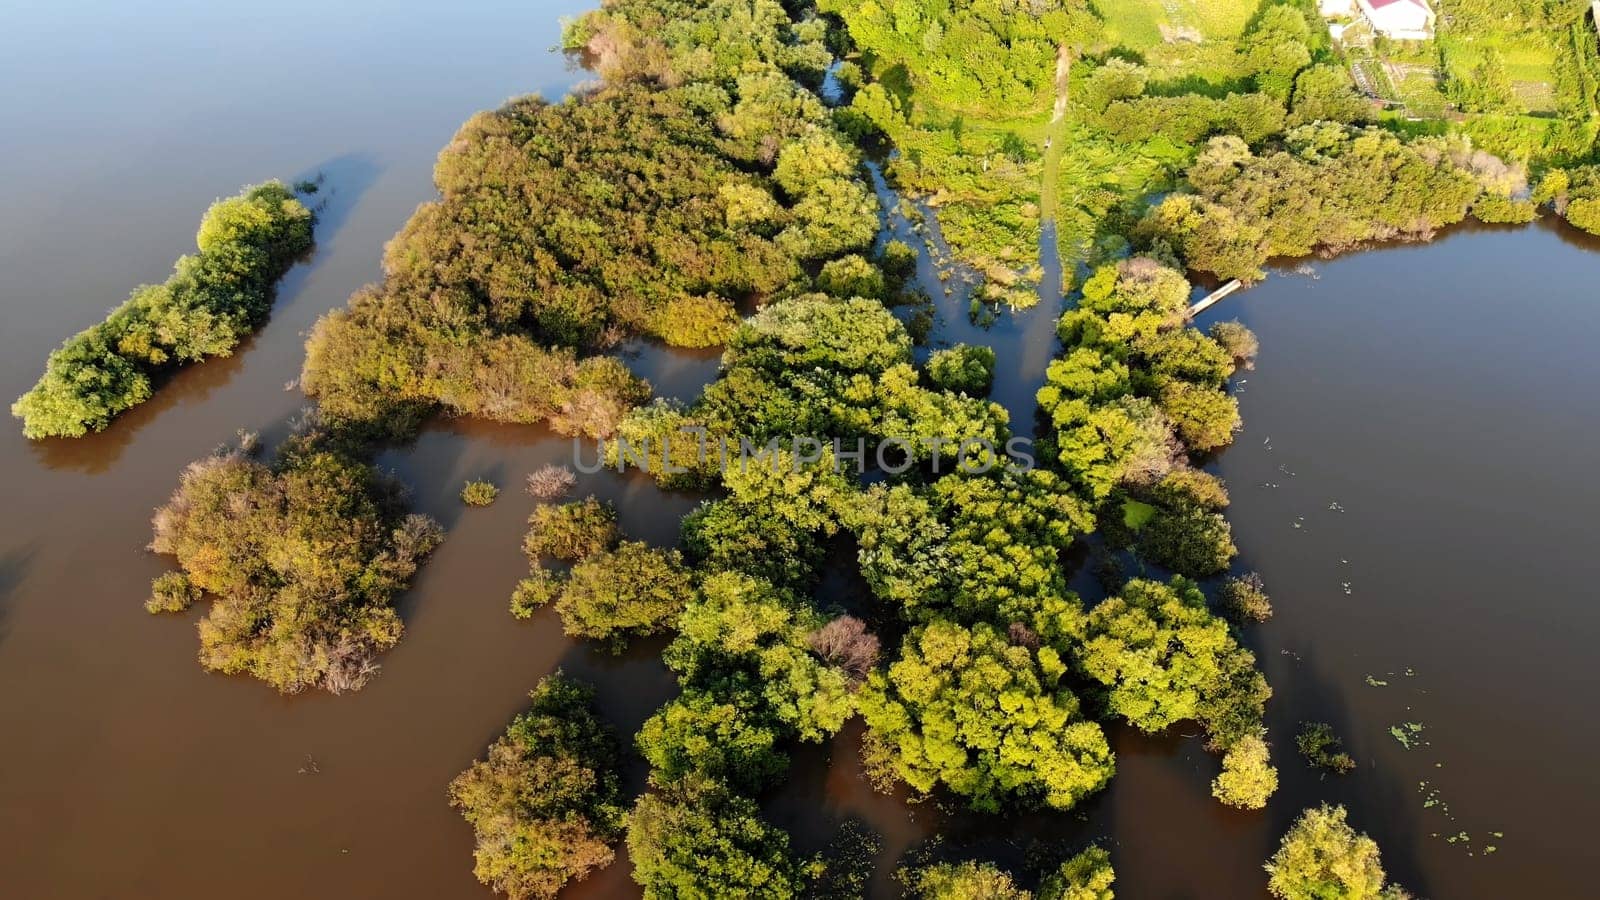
1424	415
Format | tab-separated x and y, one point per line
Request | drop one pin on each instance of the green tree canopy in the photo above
303	559
1323	858
988	719
696	840
544	805
1161	657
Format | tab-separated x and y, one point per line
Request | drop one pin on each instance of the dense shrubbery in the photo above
479	493
1327	189
1190	118
1247	779
1323	858
545	804
1087	876
570	531
212	300
1579	201
962	881
303	556
972	547
1245	598
1134	389
752	682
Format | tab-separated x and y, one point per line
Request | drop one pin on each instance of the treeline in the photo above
1327	188
212	300
1115	101
1574	194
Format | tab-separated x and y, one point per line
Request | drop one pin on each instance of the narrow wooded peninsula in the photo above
211	302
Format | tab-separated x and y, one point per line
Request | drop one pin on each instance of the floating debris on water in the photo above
1409	734
1335	506
1284	468
310	767
1269	484
1376	682
1410	672
1290	653
1299	521
1346	586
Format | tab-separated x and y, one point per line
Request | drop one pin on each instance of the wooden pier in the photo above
1211	299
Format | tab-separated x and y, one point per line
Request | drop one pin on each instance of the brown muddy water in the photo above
1424	415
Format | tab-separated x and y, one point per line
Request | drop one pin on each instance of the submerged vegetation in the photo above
1322	748
211	302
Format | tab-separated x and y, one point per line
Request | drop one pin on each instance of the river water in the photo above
1423	414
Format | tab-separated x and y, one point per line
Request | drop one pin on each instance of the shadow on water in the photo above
191	385
344	179
341	183
13	569
1379	803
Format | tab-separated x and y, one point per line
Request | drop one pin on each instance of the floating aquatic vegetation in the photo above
1409	734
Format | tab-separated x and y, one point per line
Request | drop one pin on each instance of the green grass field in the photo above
1136	24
